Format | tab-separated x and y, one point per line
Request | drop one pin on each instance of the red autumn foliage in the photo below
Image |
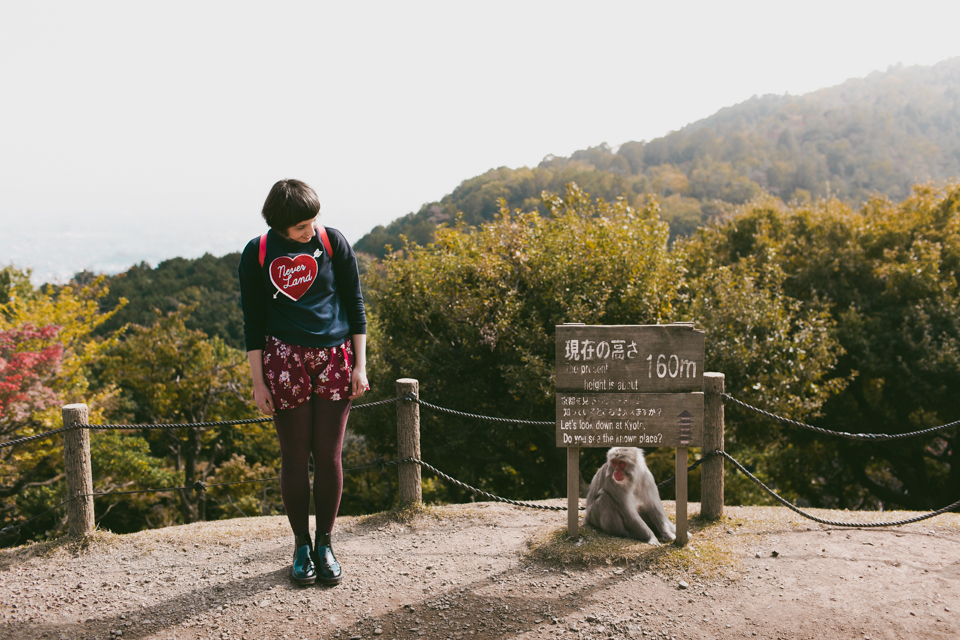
28	361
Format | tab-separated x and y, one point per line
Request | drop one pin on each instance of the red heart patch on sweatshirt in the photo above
293	276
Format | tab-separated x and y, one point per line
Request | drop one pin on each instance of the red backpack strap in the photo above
325	239
263	248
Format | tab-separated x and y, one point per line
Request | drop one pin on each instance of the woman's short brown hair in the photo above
289	203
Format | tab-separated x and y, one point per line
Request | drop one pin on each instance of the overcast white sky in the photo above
161	126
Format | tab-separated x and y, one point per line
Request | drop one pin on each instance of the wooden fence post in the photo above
76	459
408	442
711	478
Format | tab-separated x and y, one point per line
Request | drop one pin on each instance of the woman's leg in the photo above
329	424
295	430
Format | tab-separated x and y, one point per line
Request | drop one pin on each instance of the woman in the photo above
305	330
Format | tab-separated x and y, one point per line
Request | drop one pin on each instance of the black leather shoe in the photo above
328	569
303	572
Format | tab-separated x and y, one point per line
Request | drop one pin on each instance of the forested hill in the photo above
879	134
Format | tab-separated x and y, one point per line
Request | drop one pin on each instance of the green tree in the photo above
887	274
473	317
171	374
48	351
207	283
15	284
123	462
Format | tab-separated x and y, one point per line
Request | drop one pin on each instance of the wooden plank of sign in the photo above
630	358
629	419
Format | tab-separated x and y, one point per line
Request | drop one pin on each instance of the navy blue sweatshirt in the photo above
301	295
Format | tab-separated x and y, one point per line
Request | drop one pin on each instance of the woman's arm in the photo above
347	277
253	297
358	382
261	394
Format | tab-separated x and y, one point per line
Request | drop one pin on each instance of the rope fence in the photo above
202	486
172	425
832	523
871	437
539	423
412	398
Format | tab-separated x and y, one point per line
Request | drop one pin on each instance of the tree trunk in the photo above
190	500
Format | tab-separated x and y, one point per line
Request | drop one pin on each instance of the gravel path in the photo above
465	571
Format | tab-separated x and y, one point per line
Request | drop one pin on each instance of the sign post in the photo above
629	385
573	492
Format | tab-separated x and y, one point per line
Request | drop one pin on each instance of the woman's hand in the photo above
358	380
263	398
261	394
358	383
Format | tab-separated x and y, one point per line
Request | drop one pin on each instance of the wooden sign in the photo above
630	358
629	419
629	385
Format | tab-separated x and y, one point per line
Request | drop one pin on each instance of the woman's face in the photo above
301	232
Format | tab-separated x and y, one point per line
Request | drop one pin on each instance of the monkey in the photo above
623	499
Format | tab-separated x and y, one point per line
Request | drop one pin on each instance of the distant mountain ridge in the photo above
878	134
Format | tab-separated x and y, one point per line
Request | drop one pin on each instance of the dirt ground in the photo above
494	571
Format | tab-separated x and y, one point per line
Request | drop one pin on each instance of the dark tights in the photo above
315	427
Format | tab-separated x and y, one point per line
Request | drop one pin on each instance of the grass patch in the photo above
411	515
707	555
405	515
98	541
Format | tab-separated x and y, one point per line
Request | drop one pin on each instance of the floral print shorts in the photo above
294	374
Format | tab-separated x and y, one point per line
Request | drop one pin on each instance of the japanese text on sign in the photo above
622	358
592	350
629	419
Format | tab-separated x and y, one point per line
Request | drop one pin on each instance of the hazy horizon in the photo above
139	132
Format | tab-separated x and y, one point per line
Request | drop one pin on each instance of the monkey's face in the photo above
619	469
